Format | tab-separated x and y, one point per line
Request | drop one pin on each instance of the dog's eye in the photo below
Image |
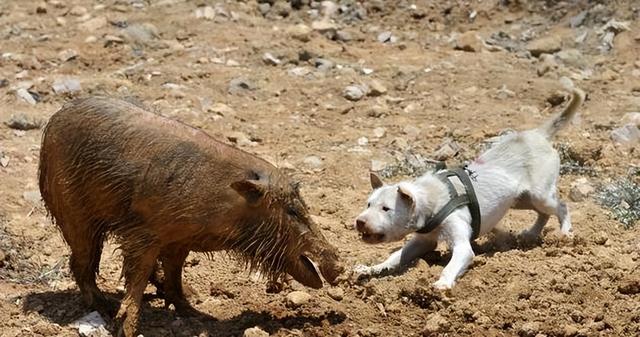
368	204
386	209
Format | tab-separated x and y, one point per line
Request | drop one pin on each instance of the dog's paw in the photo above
442	285
361	269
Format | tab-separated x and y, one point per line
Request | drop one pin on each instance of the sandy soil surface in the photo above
432	79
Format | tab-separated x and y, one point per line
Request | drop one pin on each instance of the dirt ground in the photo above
430	81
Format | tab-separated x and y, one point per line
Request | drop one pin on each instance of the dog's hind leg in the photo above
551	205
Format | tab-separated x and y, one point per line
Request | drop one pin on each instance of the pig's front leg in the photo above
419	245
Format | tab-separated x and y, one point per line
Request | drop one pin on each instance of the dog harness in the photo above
468	199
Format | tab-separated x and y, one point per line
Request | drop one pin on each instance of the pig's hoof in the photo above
184	309
442	285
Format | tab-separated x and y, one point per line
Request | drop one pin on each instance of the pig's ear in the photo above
376	182
251	190
406	195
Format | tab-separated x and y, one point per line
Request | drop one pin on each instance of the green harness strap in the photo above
468	199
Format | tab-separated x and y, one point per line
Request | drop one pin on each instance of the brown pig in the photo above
162	189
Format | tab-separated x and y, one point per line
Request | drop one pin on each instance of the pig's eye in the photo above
292	212
386	209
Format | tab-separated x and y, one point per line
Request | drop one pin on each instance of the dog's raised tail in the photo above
553	125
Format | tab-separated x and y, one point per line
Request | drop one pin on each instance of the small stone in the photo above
26	96
556	98
600	238
240	138
446	150
281	9
264	8
363	141
631	118
91	39
221	109
379	132
580	190
504	93
323	64
435	323
93	24
546	64
411	131
377	111
569	331
627	135
240	85
384	37
336	293
4	160
571	58
343	36
324	26
378	165
468	41
576	21
206	12
255	332
66	85
300	32
354	92
21	121
545	45
313	162
298	298
33	197
529	329
630	285
299	71
376	88
67	55
271	60
78	11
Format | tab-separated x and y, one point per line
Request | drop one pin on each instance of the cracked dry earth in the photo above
432	79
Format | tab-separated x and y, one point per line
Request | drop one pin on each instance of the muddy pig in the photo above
161	189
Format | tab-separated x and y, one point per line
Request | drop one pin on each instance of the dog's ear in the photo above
407	196
376	182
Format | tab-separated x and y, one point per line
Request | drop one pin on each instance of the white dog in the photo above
519	171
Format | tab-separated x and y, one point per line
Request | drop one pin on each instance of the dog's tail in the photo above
553	125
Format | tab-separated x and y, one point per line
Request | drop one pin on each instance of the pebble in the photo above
343	36
581	189
324	26
626	135
67	55
93	24
299	71
446	150
569	331
23	94
323	64
300	32
298	298
271	60
240	138
387	36
379	132
206	12
21	121
4	160
255	332
435	323
378	165
529	329
363	141
631	118
66	85
468	41
376	88
600	238
544	45
313	162
264	8
32	197
504	93
336	293
411	131
78	11
354	92
240	85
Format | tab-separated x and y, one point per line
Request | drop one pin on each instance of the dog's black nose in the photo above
360	225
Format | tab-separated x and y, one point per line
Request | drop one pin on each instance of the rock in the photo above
67	85
378	165
387	36
411	131
377	111
600	238
142	33
546	64
206	12
21	121
468	41
26	96
78	11
336	293
324	26
363	141
300	32
220	109
379	132
93	24
299	71
631	118
33	197
67	55
264	8
270	59
298	298
571	58
376	88
569	331
435	323
240	138
281	9
323	64
627	135
313	162
255	332
92	325
577	20
240	85
630	286
354	92
4	160
504	93
343	36
580	190
556	98
529	329
545	45
446	150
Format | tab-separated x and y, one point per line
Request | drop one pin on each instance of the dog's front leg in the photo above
416	247
458	234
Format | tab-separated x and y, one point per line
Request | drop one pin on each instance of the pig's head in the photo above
278	233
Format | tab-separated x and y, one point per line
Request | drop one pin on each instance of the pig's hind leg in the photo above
175	291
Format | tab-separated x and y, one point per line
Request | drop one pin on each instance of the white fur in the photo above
520	170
